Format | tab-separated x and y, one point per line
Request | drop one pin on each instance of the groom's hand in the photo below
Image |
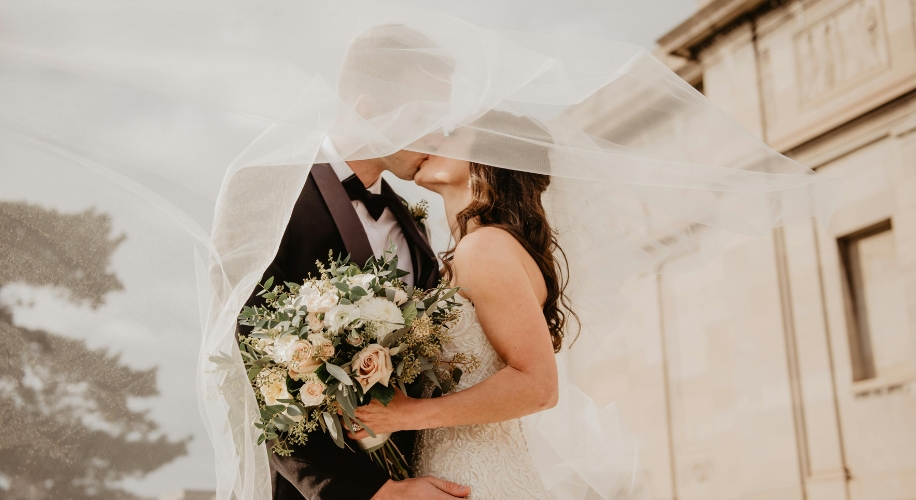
421	488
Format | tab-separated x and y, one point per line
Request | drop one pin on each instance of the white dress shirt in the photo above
381	232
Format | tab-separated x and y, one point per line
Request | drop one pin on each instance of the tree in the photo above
66	430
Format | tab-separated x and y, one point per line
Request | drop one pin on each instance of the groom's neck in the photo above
368	171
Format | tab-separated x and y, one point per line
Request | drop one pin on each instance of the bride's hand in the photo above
399	415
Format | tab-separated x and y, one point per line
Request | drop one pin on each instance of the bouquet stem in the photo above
389	457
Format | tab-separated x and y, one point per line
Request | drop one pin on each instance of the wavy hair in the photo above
511	200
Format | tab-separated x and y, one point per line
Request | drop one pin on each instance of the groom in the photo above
346	208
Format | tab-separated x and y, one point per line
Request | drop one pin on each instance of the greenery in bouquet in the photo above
319	349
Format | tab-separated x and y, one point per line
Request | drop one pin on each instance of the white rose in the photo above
312	392
307	290
340	316
383	312
363	281
372	365
400	297
315	324
282	350
320	302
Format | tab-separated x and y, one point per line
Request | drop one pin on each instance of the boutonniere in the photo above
419	212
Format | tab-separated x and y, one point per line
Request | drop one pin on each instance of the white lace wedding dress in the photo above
492	459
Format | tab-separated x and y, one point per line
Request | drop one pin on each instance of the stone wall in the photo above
786	369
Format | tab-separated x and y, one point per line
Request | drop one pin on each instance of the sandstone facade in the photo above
786	369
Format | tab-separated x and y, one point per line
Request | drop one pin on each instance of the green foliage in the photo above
68	428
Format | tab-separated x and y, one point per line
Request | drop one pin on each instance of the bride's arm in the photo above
490	270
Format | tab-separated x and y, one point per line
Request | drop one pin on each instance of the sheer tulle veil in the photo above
208	115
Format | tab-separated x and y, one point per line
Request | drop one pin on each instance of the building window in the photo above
872	280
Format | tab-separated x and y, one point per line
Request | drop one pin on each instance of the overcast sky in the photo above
634	21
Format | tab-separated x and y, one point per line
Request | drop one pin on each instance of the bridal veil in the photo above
202	118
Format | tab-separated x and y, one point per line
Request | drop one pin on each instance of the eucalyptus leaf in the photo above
394	336
338	373
347	424
275	409
254	371
285	419
346	405
409	312
334	427
432	376
364	426
382	393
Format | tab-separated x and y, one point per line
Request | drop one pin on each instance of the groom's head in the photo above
397	78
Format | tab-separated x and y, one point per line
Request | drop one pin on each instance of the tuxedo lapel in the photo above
344	215
424	259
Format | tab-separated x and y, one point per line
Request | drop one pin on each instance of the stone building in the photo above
786	369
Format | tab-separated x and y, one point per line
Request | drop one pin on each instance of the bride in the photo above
515	318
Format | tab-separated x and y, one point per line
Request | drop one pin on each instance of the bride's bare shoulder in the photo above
488	243
488	252
490	259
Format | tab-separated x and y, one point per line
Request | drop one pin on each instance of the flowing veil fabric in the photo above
209	115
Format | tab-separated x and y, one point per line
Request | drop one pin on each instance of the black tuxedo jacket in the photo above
324	219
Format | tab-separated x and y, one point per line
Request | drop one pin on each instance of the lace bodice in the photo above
492	459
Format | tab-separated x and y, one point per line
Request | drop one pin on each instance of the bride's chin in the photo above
424	182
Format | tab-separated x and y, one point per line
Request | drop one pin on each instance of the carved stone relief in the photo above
844	47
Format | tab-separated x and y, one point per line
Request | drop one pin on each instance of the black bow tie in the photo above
375	203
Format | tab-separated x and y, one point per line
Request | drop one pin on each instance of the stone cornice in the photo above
716	18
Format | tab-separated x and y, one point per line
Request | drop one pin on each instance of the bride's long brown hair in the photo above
511	200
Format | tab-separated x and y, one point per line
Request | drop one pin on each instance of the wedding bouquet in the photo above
319	349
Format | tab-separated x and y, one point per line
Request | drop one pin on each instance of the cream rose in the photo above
274	388
372	365
284	346
323	346
303	361
400	297
312	392
320	302
315	324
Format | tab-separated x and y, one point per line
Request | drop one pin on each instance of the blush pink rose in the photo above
372	365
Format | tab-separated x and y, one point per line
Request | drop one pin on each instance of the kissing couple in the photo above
468	443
